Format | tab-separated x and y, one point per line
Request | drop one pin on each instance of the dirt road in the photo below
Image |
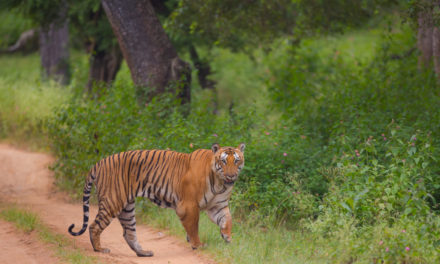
26	180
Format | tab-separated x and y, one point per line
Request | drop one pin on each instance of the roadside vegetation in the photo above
341	132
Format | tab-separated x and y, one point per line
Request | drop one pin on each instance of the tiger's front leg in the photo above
189	216
222	217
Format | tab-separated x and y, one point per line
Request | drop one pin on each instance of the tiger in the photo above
185	182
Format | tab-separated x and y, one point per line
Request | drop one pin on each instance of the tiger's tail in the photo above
87	189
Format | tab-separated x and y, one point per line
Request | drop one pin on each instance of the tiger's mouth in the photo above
229	182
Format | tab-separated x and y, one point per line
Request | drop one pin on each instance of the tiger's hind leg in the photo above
128	222
102	220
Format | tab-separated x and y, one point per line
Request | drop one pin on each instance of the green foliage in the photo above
422	8
377	123
231	24
90	26
242	82
239	26
13	24
325	16
41	12
390	176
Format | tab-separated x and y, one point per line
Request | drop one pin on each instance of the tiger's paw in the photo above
200	246
226	238
144	253
103	250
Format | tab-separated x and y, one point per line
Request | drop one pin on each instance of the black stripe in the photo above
164	175
219	219
132	224
149	191
129	185
149	169
166	191
160	165
98	223
141	164
138	187
125	219
223	201
219	210
197	153
128	211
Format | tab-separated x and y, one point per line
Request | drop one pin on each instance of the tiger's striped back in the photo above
149	173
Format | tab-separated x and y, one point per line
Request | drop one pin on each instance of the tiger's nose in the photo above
231	176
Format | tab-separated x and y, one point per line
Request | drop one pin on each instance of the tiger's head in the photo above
227	162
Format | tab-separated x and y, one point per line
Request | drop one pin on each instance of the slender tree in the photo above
426	15
54	50
425	36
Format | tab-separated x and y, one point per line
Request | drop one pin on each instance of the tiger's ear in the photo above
241	147
215	147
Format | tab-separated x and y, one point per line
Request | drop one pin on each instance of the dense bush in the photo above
378	126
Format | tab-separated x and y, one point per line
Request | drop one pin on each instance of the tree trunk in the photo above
54	51
436	50
153	61
425	39
104	65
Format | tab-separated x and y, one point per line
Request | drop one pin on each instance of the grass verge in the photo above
28	222
258	240
255	240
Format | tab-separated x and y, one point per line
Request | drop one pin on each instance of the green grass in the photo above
354	46
26	101
255	240
23	220
62	247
